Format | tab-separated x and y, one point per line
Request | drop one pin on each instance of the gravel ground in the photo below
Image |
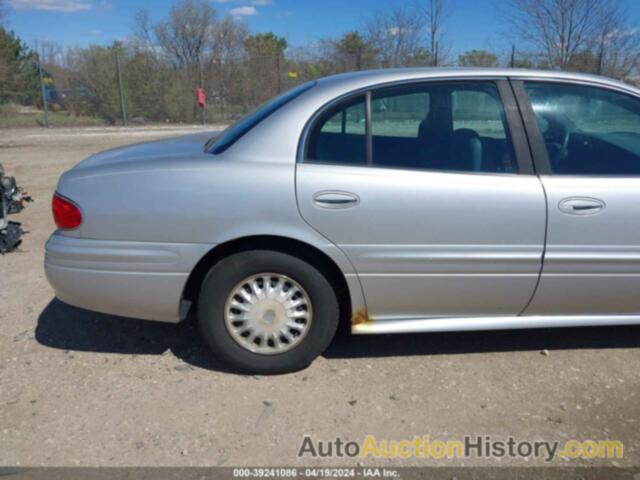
80	388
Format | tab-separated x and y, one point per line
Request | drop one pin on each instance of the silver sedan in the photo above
395	201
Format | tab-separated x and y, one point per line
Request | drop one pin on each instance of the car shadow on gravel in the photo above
69	328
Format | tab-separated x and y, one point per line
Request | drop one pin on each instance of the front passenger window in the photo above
587	130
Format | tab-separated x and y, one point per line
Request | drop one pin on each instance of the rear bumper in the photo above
141	280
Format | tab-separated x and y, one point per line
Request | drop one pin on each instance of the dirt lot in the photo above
79	388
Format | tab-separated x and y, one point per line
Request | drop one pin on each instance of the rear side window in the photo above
237	130
339	135
587	130
457	126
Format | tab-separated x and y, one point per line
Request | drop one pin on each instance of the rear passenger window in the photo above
587	130
446	126
339	135
458	126
399	115
480	111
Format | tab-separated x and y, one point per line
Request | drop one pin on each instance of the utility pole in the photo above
45	105
601	53
123	108
513	56
202	86
278	72
435	55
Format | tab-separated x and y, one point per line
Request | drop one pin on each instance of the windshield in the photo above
236	131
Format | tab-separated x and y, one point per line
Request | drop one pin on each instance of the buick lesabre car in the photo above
414	200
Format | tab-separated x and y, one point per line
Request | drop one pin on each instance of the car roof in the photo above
275	134
364	78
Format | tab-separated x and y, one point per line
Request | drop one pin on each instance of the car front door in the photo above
429	190
586	140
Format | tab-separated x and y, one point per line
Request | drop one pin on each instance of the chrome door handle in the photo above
581	206
335	199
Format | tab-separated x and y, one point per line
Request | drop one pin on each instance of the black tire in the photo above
227	273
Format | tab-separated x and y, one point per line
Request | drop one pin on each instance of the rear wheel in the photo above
267	312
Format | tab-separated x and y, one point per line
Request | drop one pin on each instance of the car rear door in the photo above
429	190
586	143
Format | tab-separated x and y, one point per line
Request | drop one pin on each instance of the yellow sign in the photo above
293	75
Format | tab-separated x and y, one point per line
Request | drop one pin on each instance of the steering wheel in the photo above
557	135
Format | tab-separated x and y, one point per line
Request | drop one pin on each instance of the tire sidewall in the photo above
228	273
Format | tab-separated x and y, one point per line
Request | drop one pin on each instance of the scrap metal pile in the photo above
12	200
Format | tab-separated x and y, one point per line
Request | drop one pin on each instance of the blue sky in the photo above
472	23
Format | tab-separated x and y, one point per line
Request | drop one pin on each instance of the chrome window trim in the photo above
584	82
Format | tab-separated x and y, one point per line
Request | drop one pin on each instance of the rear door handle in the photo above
335	199
581	206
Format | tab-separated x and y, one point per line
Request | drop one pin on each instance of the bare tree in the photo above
618	48
225	61
478	58
436	13
49	52
562	29
397	36
265	66
185	34
191	48
143	31
349	52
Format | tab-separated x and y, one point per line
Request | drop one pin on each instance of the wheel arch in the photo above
302	250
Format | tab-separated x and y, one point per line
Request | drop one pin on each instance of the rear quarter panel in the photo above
203	199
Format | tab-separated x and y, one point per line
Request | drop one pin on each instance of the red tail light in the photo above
65	213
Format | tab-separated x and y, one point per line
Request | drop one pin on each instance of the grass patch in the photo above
9	119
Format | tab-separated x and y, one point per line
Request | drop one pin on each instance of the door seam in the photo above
544	246
295	189
544	193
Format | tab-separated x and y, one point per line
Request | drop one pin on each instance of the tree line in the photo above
162	63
